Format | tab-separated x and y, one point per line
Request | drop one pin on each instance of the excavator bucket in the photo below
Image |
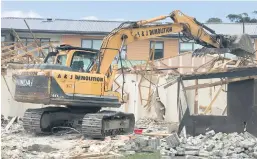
239	45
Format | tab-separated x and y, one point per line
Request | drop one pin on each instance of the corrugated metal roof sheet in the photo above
66	25
60	25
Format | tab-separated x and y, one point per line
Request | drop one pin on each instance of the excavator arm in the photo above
129	32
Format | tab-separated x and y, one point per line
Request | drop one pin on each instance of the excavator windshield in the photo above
82	61
61	59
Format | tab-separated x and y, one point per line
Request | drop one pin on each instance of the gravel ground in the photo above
18	144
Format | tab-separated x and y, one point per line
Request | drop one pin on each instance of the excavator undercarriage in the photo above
88	121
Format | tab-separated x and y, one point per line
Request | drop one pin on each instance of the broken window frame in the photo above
157	50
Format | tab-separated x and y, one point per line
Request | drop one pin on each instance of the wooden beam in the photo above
36	40
22	54
10	123
226	81
196	98
10	52
225	110
213	100
20	42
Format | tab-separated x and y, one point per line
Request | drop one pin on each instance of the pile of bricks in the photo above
211	145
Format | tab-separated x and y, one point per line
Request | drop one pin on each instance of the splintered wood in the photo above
18	53
170	69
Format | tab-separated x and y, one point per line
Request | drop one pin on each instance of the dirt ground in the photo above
19	144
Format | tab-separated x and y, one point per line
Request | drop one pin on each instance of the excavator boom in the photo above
192	29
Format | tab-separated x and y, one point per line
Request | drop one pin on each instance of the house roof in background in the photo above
100	26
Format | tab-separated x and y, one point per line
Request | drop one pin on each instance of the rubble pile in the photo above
16	143
4	121
139	143
211	145
155	125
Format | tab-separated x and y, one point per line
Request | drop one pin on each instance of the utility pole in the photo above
243	25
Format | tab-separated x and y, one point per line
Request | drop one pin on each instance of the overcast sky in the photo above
130	10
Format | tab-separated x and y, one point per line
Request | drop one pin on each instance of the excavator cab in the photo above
61	66
84	55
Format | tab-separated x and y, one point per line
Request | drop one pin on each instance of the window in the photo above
81	61
188	46
158	53
92	44
2	38
61	59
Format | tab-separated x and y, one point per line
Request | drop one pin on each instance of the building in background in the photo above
90	33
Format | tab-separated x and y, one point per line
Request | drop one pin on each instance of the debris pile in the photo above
139	143
155	125
4	121
16	143
214	145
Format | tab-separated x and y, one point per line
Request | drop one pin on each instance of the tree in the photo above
243	17
214	20
253	20
233	17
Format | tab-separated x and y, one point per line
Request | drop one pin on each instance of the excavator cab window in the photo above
81	61
61	60
50	58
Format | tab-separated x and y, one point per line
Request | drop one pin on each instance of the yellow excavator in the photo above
78	82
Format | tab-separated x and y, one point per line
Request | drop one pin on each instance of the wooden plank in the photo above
20	55
17	49
225	110
196	98
20	42
10	123
178	103
226	81
36	40
213	100
8	46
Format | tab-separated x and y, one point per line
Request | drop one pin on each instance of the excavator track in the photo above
32	119
92	125
107	123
